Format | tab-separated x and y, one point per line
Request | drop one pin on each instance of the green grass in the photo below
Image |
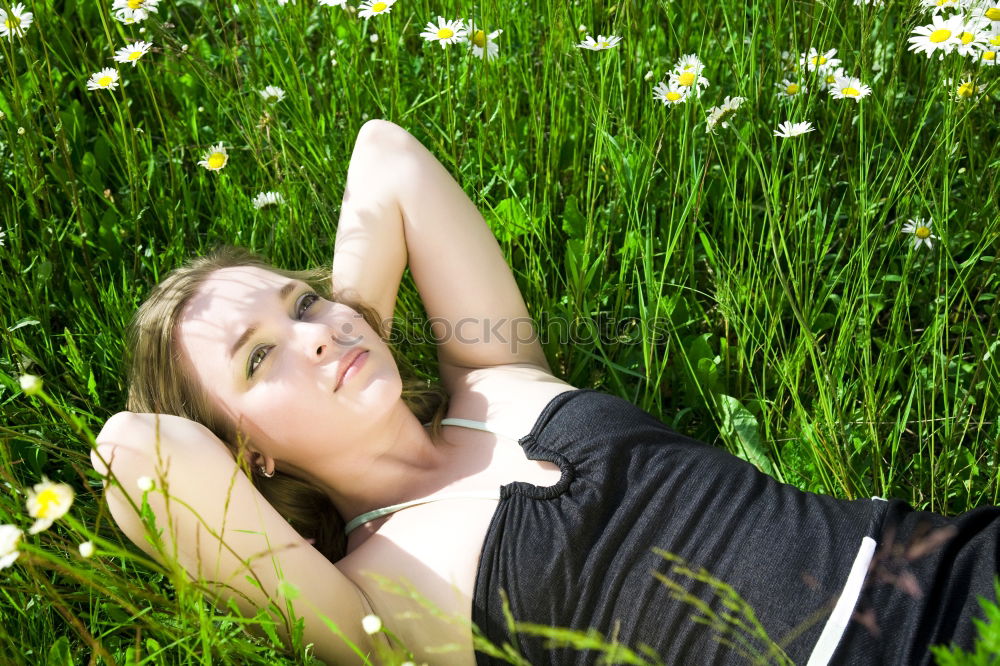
765	296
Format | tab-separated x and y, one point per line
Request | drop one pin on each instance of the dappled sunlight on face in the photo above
269	352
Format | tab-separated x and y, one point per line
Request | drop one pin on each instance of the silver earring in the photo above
263	471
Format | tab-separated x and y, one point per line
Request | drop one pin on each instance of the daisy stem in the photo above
450	108
129	152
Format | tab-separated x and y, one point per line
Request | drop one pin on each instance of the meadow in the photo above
819	299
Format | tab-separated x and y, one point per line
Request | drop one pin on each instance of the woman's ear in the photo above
260	463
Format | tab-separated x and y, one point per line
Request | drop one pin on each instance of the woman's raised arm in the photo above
222	529
401	206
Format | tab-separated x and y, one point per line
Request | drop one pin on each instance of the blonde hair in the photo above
156	385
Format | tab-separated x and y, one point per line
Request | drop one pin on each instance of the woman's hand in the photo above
212	521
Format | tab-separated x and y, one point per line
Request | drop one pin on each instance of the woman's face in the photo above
269	352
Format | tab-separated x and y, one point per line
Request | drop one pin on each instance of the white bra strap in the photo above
378	513
478	425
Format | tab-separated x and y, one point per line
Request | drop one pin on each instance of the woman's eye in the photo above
258	355
306	301
256	358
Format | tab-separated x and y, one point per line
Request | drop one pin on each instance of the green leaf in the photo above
59	654
574	223
33	455
27	321
509	220
740	425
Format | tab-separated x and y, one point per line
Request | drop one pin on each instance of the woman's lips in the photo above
352	365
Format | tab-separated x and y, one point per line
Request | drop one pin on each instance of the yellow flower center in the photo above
995	41
792	88
105	81
378	6
942	3
135	55
135	4
989	55
216	160
966	89
444	33
850	92
830	78
922	232
967	37
940	35
479	39
603	45
993	13
48	501
817	60
674	96
686	79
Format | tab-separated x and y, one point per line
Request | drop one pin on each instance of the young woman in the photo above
532	492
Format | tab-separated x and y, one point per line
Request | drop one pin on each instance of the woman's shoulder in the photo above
507	397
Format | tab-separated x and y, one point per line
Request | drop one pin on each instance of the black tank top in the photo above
580	554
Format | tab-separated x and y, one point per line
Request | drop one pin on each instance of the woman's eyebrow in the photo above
288	288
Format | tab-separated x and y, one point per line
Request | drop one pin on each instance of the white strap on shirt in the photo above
835	626
486	495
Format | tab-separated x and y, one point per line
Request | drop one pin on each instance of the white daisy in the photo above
789	89
988	58
787	130
132	52
10	535
30	384
15	22
3	235
215	159
445	32
989	9
87	549
133	11
688	81
789	61
973	37
689	63
687	74
600	44
145	483
921	231
272	94
481	44
830	76
814	61
941	35
669	94
993	38
370	8
939	6
719	115
47	502
372	624
964	90
265	199
104	79
849	87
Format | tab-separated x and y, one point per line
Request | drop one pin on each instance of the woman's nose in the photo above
319	342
